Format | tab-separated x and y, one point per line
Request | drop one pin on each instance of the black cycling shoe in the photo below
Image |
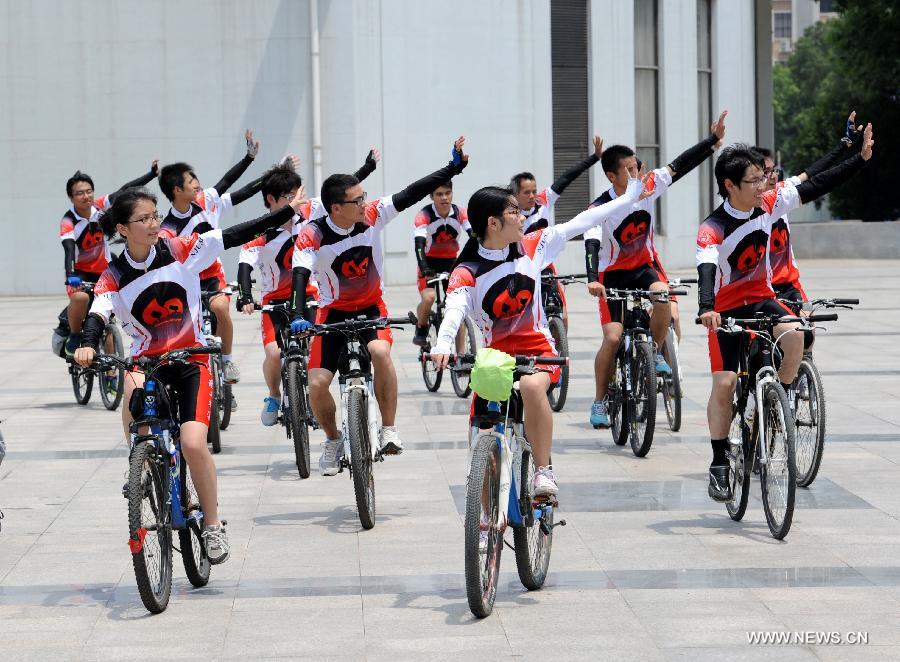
720	483
421	337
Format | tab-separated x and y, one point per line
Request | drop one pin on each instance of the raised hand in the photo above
718	127
252	147
868	142
298	200
154	167
598	146
291	160
374	155
459	157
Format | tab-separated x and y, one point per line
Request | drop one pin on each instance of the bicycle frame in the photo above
355	374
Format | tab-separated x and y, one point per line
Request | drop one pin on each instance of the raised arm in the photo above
422	187
230	177
614	209
570	175
239	234
369	165
843	150
694	156
143	180
828	180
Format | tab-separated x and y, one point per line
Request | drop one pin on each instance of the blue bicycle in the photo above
161	496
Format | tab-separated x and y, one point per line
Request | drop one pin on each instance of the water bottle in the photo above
150	398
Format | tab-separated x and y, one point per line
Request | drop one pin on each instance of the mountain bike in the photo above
553	308
466	341
220	413
670	385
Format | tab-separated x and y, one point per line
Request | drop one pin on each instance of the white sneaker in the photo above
330	459
216	540
269	414
544	483
389	442
231	374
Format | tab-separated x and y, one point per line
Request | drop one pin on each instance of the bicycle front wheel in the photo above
225	407
533	543
149	528
361	465
643	399
467	344
190	539
430	373
483	537
671	384
778	475
739	454
112	386
809	421
213	437
82	384
618	403
296	415
557	392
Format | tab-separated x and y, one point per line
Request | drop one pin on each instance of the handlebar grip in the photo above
825	317
542	360
687	281
202	350
846	302
678	293
398	320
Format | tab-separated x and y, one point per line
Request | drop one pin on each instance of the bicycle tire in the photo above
193	551
460	379
809	448
531	543
113	388
739	462
151	548
671	389
82	384
643	399
483	484
225	407
776	414
361	465
618	404
213	436
557	392
430	374
296	417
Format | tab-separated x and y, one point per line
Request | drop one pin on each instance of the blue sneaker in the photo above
599	414
662	368
269	414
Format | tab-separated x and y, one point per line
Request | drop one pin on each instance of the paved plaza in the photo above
648	568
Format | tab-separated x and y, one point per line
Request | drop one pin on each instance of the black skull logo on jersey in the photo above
748	253
162	309
780	237
445	234
633	229
509	297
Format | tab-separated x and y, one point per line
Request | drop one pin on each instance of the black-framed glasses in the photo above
83	194
359	202
148	219
758	182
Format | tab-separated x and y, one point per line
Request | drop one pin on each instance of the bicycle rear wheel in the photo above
296	417
618	404
225	407
532	543
671	384
469	345
557	392
112	387
483	538
430	373
361	465
778	476
149	527
739	453
82	384
193	551
213	437
809	421
643	399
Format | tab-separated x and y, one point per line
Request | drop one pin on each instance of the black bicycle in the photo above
553	308
220	412
809	397
670	386
762	426
359	409
466	342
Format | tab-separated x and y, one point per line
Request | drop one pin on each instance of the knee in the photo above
723	387
612	337
381	354
219	306
273	353
318	382
79	298
428	296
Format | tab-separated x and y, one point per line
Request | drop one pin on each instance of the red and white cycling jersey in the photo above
158	301
442	235
347	264
272	255
628	244
738	244
204	215
539	216
781	253
91	247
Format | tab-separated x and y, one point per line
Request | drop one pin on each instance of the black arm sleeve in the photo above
140	181
69	250
828	180
247	191
838	153
570	175
692	157
232	175
706	287
419	189
92	330
299	279
420	253
367	168
592	260
245	287
241	233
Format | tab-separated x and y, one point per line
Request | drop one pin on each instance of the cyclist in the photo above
497	282
622	255
344	251
734	275
272	253
84	246
438	227
153	287
198	210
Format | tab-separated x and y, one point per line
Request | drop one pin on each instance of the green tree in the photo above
848	63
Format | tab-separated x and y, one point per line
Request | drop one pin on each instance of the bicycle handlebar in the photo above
521	359
572	277
107	361
354	325
764	321
676	282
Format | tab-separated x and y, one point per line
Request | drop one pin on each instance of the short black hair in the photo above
515	184
172	175
334	189
733	163
764	151
447	182
122	208
78	177
280	180
613	155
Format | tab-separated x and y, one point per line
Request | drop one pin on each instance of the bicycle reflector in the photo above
492	374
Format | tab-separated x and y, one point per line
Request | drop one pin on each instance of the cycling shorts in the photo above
640	278
725	348
325	350
438	265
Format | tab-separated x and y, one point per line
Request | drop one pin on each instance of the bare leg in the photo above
538	415
791	343
424	308
202	467
224	327
322	403
718	410
604	362
272	369
385	380
78	310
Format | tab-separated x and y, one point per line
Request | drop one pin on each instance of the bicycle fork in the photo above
765	376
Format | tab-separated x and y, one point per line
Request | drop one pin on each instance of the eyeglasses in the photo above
514	211
359	202
758	182
774	170
147	220
83	194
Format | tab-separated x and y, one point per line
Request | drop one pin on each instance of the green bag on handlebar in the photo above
492	374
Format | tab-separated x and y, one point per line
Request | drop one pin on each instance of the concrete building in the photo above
790	18
105	87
